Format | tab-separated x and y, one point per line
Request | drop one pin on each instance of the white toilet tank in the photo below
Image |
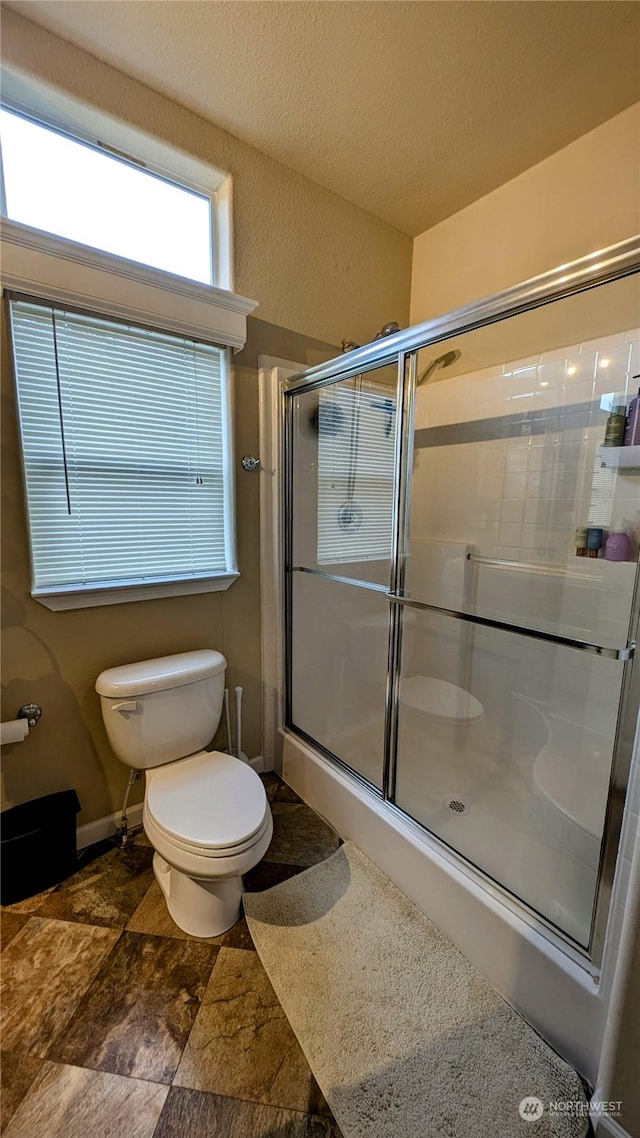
164	709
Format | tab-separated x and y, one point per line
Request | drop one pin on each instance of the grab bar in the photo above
527	567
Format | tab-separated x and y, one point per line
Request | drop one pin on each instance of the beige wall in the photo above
314	262
53	658
319	267
582	198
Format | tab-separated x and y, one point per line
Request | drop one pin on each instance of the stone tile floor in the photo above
115	1022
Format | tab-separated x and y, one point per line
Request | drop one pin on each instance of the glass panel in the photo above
344	443
508	463
504	752
339	669
65	186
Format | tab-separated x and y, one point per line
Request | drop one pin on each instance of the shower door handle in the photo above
624	654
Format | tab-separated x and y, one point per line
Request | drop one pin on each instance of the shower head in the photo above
387	330
442	361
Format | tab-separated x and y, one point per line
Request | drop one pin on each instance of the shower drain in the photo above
456	806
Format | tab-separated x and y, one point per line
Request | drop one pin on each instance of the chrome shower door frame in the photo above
401	348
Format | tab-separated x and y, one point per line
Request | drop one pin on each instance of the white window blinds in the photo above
356	441
125	436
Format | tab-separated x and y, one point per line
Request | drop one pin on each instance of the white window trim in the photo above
64	597
272	373
45	104
42	265
62	600
65	272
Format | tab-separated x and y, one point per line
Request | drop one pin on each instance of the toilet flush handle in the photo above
127	705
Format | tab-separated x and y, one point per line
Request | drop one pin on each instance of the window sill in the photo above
59	601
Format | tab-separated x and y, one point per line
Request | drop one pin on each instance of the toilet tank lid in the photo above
159	674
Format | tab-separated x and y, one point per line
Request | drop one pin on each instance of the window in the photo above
121	344
356	441
125	435
86	194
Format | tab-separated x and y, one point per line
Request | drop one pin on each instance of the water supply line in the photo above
124	836
239	752
227	722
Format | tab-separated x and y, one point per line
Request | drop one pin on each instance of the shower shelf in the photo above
624	458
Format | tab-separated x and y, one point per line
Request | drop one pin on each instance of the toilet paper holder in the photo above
31	712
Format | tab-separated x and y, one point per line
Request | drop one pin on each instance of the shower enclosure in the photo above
446	643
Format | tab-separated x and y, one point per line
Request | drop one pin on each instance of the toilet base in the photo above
200	908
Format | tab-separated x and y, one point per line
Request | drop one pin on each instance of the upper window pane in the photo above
67	187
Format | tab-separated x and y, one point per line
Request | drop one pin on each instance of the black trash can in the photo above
38	840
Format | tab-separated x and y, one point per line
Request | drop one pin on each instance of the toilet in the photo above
205	813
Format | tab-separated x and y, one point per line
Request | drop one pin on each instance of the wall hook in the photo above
249	463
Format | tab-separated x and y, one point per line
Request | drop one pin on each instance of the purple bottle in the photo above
618	546
632	429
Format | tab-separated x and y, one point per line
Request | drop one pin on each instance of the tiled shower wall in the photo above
531	489
508	462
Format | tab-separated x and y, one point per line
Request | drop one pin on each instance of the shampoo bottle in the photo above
616	426
595	536
581	541
632	429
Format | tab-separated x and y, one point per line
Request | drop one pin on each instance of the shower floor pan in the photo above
530	823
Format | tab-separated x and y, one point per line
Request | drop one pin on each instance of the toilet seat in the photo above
210	804
156	832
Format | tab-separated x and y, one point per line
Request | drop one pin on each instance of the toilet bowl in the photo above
205	813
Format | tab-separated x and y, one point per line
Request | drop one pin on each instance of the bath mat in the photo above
405	1037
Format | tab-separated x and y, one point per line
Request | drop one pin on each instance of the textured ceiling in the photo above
410	110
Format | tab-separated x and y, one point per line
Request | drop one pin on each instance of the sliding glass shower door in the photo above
450	641
511	672
342	506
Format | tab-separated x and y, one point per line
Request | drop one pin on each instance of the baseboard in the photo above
607	1127
106	827
603	1124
